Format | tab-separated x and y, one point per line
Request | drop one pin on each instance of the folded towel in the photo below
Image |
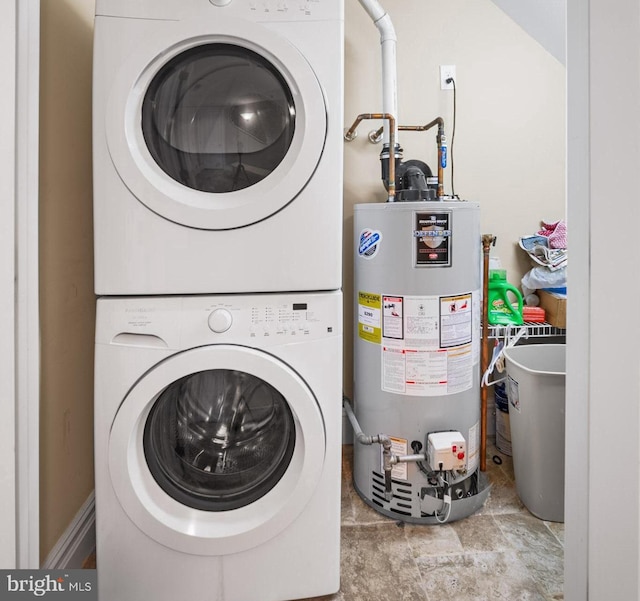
529	243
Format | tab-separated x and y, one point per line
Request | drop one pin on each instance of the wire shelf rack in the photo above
534	330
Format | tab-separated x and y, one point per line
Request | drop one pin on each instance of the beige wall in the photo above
509	155
509	148
66	259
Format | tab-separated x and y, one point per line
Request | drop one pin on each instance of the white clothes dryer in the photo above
218	447
217	146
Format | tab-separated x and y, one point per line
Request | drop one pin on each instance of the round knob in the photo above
220	320
220	2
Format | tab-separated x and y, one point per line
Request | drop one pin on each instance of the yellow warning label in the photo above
369	316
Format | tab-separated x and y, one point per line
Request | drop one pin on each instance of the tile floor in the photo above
500	553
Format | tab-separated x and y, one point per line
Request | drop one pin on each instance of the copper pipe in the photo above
439	121
350	135
439	141
487	241
436	121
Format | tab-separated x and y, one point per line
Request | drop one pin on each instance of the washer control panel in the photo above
264	320
271	318
259	320
291	319
258	11
267	8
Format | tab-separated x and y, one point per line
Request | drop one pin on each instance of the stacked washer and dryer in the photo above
218	220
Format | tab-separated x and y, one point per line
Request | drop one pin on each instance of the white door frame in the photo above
19	312
28	313
576	552
7	286
602	527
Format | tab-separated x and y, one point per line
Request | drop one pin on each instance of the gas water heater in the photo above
416	359
417	340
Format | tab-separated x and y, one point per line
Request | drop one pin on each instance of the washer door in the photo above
217	125
216	450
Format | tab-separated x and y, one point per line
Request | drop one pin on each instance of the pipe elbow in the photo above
386	29
385	441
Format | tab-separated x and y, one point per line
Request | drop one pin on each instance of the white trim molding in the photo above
19	312
27	321
78	540
8	476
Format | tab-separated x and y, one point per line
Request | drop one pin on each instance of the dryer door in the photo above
217	449
217	125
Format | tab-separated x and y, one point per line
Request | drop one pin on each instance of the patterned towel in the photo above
556	233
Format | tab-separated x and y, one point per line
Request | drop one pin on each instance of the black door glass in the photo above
219	439
218	118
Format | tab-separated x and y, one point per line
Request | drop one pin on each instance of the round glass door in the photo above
216	449
218	118
219	439
215	126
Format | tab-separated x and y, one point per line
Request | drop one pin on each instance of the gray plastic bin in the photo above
536	390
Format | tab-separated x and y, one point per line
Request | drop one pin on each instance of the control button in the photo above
460	455
220	2
220	321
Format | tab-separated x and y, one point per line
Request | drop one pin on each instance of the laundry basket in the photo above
536	391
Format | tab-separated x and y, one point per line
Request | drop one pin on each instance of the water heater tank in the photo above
417	352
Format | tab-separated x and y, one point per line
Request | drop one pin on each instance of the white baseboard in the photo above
78	540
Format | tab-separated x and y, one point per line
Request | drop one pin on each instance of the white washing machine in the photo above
217	146
218	445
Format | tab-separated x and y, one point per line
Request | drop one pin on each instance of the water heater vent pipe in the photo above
388	42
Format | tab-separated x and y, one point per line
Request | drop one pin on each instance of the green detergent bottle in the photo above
500	310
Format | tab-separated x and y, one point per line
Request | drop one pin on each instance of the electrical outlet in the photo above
446	72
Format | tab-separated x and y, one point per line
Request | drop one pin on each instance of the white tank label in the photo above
393	370
429	345
392	322
455	319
